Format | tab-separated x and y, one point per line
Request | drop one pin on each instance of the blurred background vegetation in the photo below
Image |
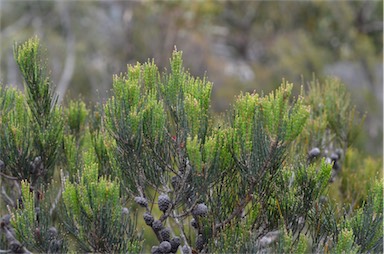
239	45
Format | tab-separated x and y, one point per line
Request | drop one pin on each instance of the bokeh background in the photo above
238	45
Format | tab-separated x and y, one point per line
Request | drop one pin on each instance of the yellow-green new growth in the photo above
282	116
243	122
28	208
135	105
76	114
345	243
28	57
91	193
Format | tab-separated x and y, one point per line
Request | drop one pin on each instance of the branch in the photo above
248	197
180	225
14	245
6	197
237	212
56	201
9	177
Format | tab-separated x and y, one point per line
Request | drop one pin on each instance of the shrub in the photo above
153	158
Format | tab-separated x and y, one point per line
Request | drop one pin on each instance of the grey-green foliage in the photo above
45	116
34	225
94	215
333	122
30	143
367	223
15	132
133	113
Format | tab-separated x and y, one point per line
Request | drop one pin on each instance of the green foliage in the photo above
345	243
95	214
279	115
367	223
352	187
134	113
46	118
34	226
333	121
76	116
15	132
297	193
187	98
267	180
136	100
33	69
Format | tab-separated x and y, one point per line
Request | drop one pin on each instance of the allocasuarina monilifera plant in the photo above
152	170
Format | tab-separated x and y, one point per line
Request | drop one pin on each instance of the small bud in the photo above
141	201
52	232
175	181
55	246
175	243
336	166
124	211
157	225
194	223
163	202
200	210
165	234
186	249
314	153
200	242
334	157
37	160
148	218
37	233
165	247
155	250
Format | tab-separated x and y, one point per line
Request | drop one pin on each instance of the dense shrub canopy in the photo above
153	169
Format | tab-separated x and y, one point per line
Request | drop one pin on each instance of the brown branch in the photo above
14	244
6	197
9	177
239	209
248	197
181	228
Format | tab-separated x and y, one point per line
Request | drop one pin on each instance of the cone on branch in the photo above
157	225
165	247
165	234
175	243
148	218
141	201
164	202
200	210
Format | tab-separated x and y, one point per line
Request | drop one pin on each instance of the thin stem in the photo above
180	225
6	197
9	177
